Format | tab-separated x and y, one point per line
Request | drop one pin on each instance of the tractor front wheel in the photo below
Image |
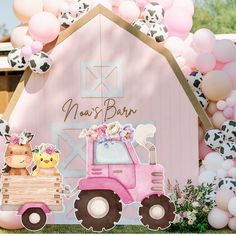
157	212
34	219
98	209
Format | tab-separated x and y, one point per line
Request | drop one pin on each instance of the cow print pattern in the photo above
84	6
40	63
201	98
153	13
214	138
229	128
15	59
4	127
195	80
227	183
228	150
158	32
141	26
66	19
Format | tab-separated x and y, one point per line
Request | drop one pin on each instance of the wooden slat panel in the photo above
29	191
23	201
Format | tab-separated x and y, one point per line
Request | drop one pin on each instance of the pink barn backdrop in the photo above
101	61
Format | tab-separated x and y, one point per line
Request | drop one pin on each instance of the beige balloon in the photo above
216	85
25	9
218	119
18	36
212	109
223	197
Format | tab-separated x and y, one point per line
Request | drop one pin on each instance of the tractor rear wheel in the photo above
157	212
34	219
98	209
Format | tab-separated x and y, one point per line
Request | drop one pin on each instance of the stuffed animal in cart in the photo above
46	159
18	154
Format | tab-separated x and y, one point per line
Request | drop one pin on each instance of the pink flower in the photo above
14	139
50	150
102	131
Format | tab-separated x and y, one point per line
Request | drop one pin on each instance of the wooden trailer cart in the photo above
33	197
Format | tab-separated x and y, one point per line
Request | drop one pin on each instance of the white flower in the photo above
83	133
195	204
177	219
113	128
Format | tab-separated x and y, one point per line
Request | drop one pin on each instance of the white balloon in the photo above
206	177
232	206
232	172
16	61
218	218
202	169
221	173
40	63
227	164
213	161
232	223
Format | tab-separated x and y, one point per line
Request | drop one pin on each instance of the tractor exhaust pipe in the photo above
142	132
152	153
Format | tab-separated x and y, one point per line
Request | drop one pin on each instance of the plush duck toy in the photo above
46	159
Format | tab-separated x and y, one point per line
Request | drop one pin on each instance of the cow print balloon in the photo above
228	150
4	127
66	19
201	98
158	32
15	59
214	138
227	183
195	80
40	63
229	128
84	5
153	13
141	25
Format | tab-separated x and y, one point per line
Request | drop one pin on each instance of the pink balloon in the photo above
44	27
141	3
205	62
175	45
129	11
204	40
221	105
230	69
164	3
228	112
190	56
179	35
36	47
203	150
52	6
177	20
18	36
187	5
10	220
26	52
186	70
219	65
225	51
116	3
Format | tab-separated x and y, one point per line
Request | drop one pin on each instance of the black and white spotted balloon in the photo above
15	59
229	129
4	127
201	98
84	5
195	79
141	25
153	13
40	63
158	32
66	19
227	183
214	138
228	150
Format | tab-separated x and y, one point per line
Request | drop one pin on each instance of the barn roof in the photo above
135	32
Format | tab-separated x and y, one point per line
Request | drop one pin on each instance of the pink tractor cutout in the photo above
115	176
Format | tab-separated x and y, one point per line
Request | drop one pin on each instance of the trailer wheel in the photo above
157	212
98	209
34	219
